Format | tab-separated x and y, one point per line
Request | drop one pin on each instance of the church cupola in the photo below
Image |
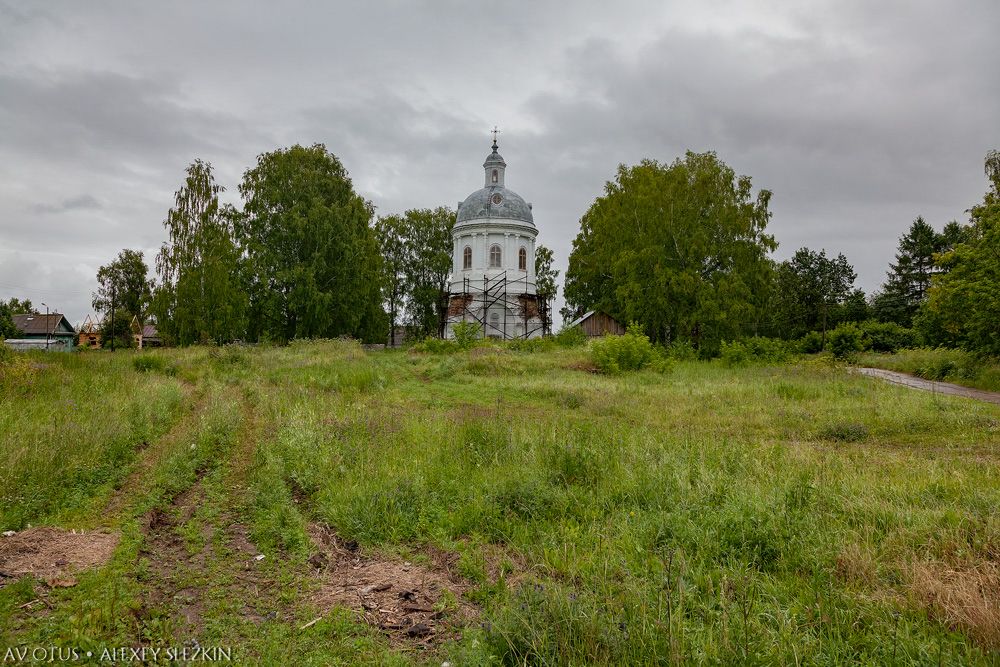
494	166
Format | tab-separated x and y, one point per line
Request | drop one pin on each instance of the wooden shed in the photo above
596	324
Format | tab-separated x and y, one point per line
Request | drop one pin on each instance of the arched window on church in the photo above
496	175
522	259
496	257
467	258
495	323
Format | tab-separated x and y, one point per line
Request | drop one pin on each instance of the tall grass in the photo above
70	433
713	515
780	514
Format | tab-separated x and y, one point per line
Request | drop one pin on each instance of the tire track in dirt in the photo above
177	553
154	453
183	580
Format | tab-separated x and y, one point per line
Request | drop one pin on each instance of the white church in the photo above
493	260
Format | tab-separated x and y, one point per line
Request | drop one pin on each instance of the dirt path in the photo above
929	385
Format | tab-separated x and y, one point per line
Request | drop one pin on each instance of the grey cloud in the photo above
80	203
859	116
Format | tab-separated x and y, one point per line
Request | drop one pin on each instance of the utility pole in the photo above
47	328
112	318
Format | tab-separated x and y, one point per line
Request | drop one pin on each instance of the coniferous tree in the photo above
910	275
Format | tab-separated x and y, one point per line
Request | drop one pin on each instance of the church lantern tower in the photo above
493	259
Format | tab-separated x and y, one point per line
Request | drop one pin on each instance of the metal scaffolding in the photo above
479	298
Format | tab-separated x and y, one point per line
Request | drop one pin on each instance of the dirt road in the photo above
928	385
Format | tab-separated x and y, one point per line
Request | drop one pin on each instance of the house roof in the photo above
40	325
149	331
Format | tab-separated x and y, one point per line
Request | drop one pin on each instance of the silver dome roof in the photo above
494	202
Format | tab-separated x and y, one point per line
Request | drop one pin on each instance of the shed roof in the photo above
578	321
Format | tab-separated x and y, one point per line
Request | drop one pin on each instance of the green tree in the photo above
963	305
124	284
854	308
21	307
390	232
909	277
545	286
7	328
312	266
428	264
117	329
678	248
199	297
811	290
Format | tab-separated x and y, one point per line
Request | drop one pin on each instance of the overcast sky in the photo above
858	115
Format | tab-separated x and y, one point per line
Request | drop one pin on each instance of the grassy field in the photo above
792	514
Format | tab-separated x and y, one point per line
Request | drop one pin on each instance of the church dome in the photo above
494	201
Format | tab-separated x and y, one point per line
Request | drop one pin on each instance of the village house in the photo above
51	332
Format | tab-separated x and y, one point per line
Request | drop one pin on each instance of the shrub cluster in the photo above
682	350
570	337
630	352
886	336
845	341
867	336
756	349
466	334
811	343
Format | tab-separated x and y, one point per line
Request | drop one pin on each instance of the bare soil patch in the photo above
54	555
412	603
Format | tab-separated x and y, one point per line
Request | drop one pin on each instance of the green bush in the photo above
570	337
630	352
734	353
886	336
466	334
756	349
845	341
682	350
811	343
